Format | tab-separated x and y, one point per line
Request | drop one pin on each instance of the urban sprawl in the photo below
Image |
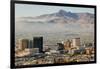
33	52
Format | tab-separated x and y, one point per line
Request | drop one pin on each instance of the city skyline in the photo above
53	34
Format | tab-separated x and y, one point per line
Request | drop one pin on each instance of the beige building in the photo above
22	44
89	50
67	44
76	42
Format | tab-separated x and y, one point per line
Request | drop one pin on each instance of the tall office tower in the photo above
67	44
23	43
76	42
38	43
31	44
60	46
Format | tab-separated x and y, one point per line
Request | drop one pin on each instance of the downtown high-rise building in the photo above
23	43
76	42
67	44
30	44
38	43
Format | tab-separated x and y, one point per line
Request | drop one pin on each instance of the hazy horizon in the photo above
22	10
50	30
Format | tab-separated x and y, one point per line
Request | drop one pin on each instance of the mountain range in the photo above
60	25
61	16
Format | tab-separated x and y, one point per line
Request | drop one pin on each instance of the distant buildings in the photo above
70	44
22	44
76	42
67	51
67	44
27	47
25	43
30	44
89	50
38	43
60	46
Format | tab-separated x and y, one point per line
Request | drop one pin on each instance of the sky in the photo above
36	10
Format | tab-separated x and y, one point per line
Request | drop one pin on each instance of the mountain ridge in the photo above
62	16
